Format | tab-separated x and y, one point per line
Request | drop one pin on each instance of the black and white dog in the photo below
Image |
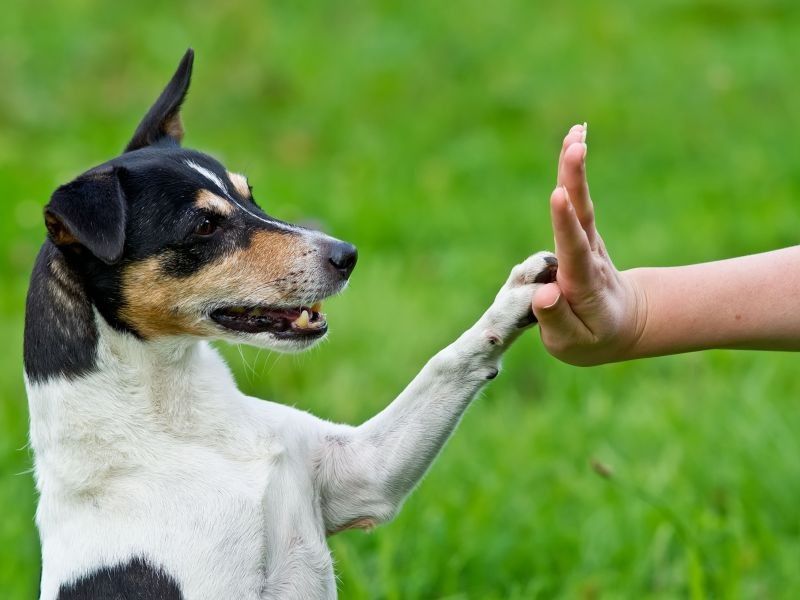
158	478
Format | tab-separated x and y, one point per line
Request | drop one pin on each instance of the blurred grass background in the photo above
427	134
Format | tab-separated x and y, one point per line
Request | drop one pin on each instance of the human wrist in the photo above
635	317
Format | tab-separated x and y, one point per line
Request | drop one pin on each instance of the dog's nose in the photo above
343	257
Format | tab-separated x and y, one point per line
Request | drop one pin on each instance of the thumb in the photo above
559	325
546	298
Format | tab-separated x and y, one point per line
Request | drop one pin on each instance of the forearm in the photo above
364	473
408	434
367	471
751	302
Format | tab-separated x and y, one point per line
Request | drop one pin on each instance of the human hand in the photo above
592	314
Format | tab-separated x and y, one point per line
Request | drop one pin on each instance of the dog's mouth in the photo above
300	321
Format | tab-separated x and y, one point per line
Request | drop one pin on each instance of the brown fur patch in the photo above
363	523
173	126
239	182
265	272
211	202
59	233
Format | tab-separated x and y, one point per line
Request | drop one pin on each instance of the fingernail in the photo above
551	305
566	195
585	150
585	130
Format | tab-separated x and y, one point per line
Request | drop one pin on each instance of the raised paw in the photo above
511	310
538	268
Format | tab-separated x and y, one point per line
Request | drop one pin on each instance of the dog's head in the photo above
167	242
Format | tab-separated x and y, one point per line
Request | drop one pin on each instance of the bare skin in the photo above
595	314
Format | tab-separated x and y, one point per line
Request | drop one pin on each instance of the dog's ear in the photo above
163	120
89	212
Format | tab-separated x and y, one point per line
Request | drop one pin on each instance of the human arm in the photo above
596	314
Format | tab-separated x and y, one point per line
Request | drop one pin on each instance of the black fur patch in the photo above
90	211
162	121
60	333
134	580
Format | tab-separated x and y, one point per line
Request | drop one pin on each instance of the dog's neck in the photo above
67	339
95	391
60	332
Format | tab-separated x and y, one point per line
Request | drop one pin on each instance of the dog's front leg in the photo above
364	473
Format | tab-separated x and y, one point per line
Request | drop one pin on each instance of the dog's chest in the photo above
265	528
261	521
219	496
297	559
217	525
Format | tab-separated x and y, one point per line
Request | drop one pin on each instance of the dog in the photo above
157	477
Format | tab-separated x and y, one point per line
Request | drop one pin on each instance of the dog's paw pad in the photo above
540	268
512	310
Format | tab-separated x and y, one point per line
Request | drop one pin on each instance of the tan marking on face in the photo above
239	182
157	304
210	201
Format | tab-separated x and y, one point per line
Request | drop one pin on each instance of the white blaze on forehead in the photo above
208	174
214	178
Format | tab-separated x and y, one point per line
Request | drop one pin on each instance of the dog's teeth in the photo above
302	320
317	307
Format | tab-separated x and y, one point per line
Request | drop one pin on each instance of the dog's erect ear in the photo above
89	212
163	120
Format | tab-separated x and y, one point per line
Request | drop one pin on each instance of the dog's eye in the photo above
206	227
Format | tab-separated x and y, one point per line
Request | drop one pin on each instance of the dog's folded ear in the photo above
163	120
89	212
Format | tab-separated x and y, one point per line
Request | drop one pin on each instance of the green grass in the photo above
426	133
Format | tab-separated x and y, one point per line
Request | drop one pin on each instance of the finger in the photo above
560	326
546	296
573	177
572	246
576	134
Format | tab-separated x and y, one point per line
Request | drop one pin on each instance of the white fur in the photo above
159	455
208	174
213	178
